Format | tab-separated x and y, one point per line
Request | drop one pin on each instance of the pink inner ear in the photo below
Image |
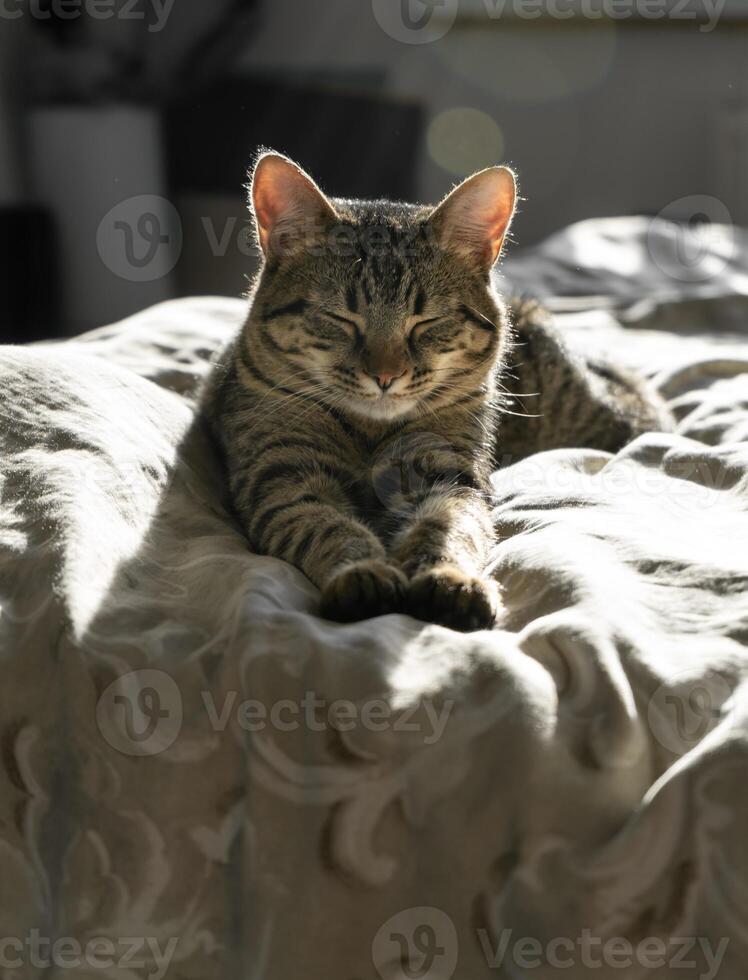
286	199
475	217
498	224
497	230
267	204
272	194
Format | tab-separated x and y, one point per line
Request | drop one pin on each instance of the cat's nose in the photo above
385	379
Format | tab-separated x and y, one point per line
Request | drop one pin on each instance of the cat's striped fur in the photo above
358	408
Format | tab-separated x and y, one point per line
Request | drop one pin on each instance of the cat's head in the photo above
379	309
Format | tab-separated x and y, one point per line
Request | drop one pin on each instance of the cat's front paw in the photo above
449	596
362	590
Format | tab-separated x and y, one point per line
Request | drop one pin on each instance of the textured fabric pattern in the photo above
200	778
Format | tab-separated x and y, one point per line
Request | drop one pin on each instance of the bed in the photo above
200	778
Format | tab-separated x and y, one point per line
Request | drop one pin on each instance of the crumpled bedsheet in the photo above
200	778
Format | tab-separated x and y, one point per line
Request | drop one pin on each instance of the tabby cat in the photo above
358	408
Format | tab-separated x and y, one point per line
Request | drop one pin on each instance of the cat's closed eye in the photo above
427	329
350	326
340	319
426	322
420	325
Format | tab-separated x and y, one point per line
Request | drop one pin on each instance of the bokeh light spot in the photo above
463	140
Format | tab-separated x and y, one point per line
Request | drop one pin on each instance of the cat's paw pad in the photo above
449	596
362	590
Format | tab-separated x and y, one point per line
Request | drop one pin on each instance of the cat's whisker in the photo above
519	415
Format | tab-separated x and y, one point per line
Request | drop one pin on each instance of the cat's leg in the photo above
307	519
443	546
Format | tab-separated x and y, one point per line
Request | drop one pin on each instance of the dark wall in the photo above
125	143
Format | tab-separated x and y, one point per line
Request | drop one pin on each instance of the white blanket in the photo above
200	778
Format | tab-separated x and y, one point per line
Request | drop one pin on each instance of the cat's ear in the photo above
290	210
474	218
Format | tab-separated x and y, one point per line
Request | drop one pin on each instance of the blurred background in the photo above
127	126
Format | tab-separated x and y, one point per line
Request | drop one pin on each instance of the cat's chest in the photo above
396	467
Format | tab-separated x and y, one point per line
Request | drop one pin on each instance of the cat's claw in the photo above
449	596
362	590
